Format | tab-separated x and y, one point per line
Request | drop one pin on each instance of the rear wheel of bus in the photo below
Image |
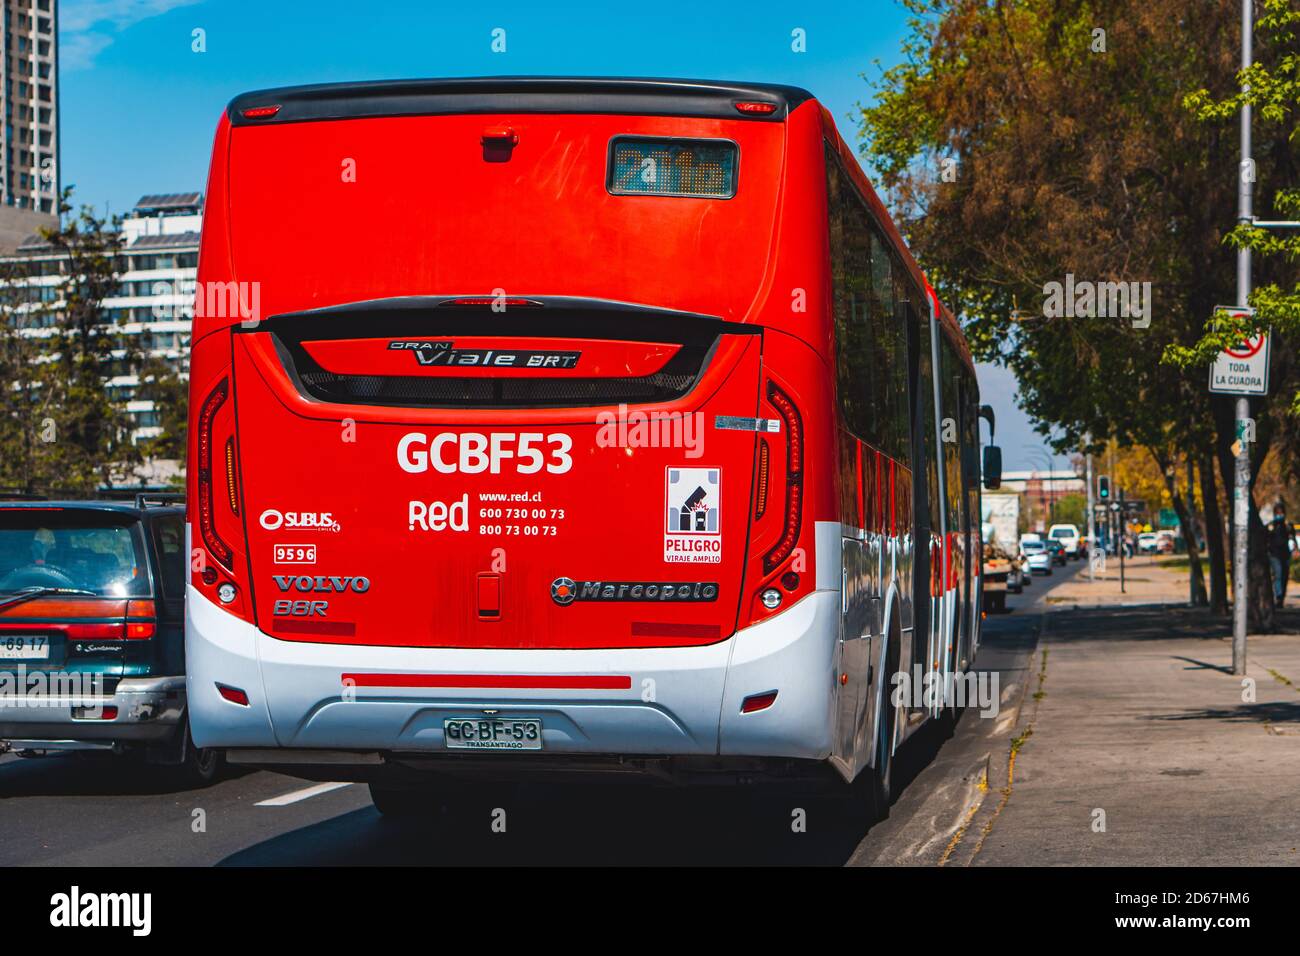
880	778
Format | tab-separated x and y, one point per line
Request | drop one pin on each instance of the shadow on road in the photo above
1266	713
1154	622
598	826
608	826
92	775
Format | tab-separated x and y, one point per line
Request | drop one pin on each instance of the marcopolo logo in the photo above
273	520
564	591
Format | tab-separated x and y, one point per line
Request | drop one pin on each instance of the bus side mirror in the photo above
992	467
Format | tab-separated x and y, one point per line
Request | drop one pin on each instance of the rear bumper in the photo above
149	710
674	701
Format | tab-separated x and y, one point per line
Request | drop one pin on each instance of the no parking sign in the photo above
1242	370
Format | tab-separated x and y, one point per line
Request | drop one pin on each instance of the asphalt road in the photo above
71	810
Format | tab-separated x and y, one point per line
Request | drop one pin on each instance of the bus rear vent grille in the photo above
431	392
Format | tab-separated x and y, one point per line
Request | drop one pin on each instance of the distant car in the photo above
1056	550
1147	542
92	597
1068	535
1000	575
1037	558
1165	542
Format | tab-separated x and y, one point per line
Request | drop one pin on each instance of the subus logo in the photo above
564	591
473	453
272	520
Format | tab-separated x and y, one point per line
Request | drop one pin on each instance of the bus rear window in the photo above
700	168
71	548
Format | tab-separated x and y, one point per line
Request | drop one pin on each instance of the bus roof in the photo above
559	94
504	94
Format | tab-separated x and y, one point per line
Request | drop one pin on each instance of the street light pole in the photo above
1241	473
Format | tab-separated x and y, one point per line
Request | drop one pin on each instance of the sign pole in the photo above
1241	473
1123	537
1092	524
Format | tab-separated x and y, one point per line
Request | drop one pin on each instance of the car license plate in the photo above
25	647
492	733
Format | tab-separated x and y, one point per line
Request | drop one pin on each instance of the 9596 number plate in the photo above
492	733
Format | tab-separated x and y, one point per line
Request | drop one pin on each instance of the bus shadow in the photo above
588	826
603	826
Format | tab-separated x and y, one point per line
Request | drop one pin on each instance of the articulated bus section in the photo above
604	422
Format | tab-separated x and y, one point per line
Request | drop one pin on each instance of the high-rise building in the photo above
154	301
29	140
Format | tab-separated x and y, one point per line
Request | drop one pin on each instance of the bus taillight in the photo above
785	407
230	475
207	524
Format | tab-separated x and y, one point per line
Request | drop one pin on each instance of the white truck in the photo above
1068	536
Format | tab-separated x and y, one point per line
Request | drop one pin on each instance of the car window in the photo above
169	538
87	549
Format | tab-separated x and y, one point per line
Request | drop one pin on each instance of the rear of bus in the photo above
505	399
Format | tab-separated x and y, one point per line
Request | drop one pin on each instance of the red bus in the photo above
604	422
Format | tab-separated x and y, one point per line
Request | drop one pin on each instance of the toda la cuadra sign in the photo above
1242	370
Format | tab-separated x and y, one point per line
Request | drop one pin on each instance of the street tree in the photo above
1082	235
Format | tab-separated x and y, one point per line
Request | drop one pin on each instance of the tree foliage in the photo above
63	426
1077	155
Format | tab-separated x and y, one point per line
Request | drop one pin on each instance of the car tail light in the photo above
207	525
95	632
108	712
757	702
140	630
259	112
756	108
785	407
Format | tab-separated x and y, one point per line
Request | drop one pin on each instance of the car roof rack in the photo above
147	499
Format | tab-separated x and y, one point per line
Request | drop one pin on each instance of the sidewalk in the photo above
1139	726
1146	581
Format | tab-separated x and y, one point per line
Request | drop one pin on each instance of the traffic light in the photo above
1103	487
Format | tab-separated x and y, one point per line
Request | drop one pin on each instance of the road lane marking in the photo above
304	794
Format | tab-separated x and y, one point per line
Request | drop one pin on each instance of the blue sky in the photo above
139	106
